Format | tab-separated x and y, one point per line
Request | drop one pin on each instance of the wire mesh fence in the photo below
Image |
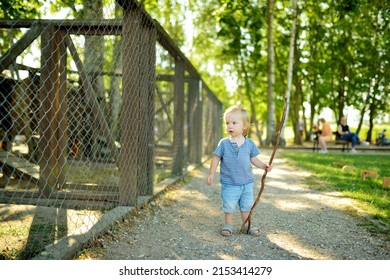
103	113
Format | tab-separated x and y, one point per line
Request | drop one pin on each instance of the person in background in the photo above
345	134
324	136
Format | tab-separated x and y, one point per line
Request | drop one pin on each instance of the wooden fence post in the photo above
178	123
147	108
194	121
52	141
130	121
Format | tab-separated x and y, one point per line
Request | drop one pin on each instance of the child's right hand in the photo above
210	180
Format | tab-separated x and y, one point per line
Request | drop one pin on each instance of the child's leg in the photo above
246	203
229	218
230	195
228	222
244	216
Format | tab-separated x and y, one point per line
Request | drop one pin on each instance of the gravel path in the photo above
296	223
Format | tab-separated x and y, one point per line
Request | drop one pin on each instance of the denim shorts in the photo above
237	196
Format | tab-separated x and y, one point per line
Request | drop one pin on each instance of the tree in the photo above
116	69
271	124
16	9
171	15
290	64
240	24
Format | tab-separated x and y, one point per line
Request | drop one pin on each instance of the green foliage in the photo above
171	15
344	59
370	194
77	10
342	49
239	25
16	9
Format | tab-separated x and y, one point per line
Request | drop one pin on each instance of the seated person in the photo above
346	134
315	132
325	135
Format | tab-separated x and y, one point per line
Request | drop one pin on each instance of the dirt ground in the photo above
296	222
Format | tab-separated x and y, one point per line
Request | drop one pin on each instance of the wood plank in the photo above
19	47
27	168
96	109
386	182
60	195
101	27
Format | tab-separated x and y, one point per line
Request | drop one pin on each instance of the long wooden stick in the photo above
248	219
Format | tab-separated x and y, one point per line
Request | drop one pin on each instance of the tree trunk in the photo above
271	124
298	98
290	65
297	104
115	98
362	112
94	58
341	104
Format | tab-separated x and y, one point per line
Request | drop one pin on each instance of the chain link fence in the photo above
107	113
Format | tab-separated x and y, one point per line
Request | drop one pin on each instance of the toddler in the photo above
236	153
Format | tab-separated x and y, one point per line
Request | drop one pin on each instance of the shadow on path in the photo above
296	223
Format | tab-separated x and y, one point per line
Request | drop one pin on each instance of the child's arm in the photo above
213	167
259	164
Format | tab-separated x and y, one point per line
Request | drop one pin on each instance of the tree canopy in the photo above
341	57
341	53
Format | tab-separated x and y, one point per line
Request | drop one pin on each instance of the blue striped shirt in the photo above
236	168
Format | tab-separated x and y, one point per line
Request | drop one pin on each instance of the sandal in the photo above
227	230
254	231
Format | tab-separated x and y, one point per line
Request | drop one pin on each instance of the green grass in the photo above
23	242
372	197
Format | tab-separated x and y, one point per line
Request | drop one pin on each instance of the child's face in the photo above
234	124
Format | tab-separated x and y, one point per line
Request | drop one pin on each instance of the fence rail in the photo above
109	109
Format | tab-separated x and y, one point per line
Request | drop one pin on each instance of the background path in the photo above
296	223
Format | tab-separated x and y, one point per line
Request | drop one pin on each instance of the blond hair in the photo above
244	116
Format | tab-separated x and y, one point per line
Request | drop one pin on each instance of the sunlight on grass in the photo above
328	174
